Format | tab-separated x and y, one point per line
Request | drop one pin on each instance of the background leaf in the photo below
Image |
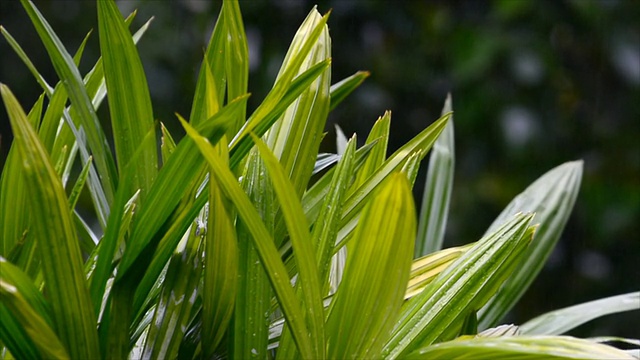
437	190
551	197
560	321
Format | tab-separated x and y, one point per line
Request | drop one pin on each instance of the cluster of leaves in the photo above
228	249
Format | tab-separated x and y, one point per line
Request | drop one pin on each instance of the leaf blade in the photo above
437	190
364	309
551	197
57	241
559	321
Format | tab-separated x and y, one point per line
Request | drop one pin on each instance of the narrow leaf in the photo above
25	59
173	309
560	321
57	241
438	312
437	190
551	197
220	269
344	87
37	329
70	76
173	180
129	99
263	242
236	56
366	306
356	200
308	277
425	269
520	347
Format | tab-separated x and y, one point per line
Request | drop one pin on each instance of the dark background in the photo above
534	83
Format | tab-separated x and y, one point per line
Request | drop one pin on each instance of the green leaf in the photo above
551	197
70	76
308	277
220	267
171	184
438	312
31	322
367	303
25	59
53	227
236	56
79	185
380	135
24	286
326	228
412	165
520	347
129	99
117	224
241	143
25	328
560	321
437	190
14	210
48	131
173	309
167	145
212	72
344	87
295	137
357	199
263	242
286	89
78	55
249	331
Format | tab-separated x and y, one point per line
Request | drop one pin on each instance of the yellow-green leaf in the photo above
367	303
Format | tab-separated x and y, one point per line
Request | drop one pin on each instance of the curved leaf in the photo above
269	256
560	321
57	242
520	347
129	99
551	197
438	312
342	89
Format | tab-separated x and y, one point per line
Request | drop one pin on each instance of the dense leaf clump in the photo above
241	240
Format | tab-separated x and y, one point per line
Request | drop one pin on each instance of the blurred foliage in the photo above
534	84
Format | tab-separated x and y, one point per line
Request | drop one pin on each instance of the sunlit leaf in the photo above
437	313
367	303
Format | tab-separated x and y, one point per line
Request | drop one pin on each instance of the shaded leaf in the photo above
437	190
74	322
551	197
560	321
520	347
